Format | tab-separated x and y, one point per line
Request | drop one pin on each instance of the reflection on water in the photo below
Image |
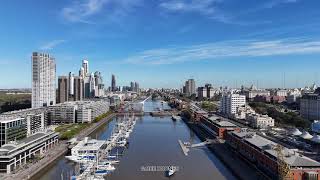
153	142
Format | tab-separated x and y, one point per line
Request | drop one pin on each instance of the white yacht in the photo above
87	150
171	171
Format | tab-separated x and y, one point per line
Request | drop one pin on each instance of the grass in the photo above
68	131
102	116
282	118
209	106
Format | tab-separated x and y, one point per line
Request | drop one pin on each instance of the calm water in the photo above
153	142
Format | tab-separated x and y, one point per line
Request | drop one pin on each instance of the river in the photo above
153	143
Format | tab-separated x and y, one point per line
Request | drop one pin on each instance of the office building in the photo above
132	86
230	102
310	106
99	86
15	155
92	85
12	129
63	89
43	80
78	88
85	66
113	83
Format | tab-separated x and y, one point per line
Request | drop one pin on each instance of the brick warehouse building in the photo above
218	126
260	151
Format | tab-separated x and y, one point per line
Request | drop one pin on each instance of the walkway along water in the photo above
53	154
153	143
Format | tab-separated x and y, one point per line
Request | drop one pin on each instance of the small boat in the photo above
171	171
174	117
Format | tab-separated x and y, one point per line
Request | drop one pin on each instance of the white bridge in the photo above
137	106
186	146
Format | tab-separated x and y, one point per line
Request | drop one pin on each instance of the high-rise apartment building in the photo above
43	80
230	102
190	87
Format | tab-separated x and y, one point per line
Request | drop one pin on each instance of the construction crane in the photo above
284	172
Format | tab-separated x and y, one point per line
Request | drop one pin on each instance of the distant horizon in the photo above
163	43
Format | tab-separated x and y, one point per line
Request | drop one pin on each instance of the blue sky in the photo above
160	43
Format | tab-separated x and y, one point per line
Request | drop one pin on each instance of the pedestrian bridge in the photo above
186	146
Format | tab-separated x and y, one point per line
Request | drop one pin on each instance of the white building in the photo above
43	80
202	92
282	92
85	66
260	121
84	115
71	83
230	102
14	155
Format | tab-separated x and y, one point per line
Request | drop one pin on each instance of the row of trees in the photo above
282	118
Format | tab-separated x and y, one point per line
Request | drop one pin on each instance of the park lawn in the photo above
68	131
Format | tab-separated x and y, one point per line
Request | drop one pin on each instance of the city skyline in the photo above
221	42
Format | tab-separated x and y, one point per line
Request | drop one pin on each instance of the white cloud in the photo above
274	3
198	6
50	45
207	8
81	11
225	49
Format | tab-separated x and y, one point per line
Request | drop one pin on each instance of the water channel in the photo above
153	142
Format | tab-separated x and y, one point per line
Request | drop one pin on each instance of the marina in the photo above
94	156
152	143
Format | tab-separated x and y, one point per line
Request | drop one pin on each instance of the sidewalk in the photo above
31	169
240	168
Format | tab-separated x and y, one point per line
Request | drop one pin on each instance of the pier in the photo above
184	148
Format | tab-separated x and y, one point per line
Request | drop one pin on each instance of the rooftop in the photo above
291	157
91	144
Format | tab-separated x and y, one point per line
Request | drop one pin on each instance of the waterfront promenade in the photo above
29	170
238	165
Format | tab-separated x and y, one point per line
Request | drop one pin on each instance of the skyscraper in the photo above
136	87
132	86
81	73
92	83
78	88
113	83
71	83
63	89
43	80
190	87
99	86
85	65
